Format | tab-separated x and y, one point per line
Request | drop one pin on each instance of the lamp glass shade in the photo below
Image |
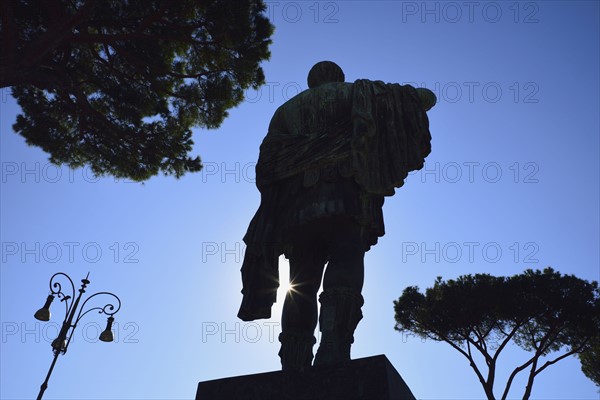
43	314
107	334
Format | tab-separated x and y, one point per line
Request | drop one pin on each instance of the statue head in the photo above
324	72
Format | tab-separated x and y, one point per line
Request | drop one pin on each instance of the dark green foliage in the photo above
117	85
541	311
590	361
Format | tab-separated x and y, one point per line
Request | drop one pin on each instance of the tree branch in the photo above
508	338
557	359
480	339
480	348
487	387
530	378
514	373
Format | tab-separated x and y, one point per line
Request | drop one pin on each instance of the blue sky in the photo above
512	183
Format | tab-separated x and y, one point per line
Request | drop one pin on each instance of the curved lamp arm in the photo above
56	289
108	309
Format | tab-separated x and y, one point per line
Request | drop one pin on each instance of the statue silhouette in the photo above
330	156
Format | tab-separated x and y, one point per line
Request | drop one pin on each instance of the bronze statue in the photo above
330	156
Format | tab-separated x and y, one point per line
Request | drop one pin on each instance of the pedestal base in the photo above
371	378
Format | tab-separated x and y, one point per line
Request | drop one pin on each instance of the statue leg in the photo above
299	317
341	300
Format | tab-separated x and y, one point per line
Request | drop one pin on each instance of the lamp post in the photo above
61	343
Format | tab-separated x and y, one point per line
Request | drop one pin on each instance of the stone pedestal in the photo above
371	378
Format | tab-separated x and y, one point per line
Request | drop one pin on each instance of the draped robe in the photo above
369	133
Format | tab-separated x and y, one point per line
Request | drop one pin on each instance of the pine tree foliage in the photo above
118	85
551	316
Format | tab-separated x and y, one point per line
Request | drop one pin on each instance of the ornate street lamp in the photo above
61	343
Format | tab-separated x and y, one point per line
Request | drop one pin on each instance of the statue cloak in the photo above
386	137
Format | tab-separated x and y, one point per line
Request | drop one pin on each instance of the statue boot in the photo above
340	314
296	350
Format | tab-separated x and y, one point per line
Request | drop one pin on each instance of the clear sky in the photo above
512	183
